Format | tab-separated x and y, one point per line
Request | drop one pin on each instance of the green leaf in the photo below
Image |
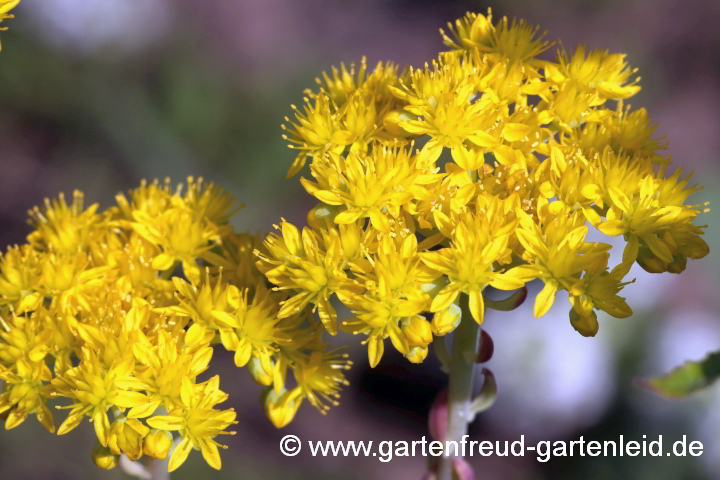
686	379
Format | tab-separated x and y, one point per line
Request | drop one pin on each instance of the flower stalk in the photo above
159	469
464	349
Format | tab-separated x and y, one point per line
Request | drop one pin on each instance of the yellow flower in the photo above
26	391
257	331
654	216
210	201
601	71
205	306
152	199
235	259
445	108
197	422
447	320
557	253
181	235
317	131
92	310
129	256
95	389
310	265
477	242
162	367
516	41
367	186
68	279
319	377
625	132
63	228
571	105
20	279
344	82
393	293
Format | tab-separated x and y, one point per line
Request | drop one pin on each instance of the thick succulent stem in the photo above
159	469
464	351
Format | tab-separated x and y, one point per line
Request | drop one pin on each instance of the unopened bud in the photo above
157	444
258	373
652	264
434	287
126	437
392	121
322	215
678	265
279	409
418	331
103	458
417	354
446	321
586	325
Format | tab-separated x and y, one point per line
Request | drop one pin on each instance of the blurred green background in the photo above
98	95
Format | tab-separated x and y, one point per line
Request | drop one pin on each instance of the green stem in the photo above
159	469
464	349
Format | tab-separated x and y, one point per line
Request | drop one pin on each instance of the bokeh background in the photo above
99	94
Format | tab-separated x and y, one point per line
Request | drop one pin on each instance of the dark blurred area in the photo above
98	95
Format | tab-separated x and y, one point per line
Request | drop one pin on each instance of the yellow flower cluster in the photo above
484	168
118	312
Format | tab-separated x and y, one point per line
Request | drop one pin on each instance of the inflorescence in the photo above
118	312
484	168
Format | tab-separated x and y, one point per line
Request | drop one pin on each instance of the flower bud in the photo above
157	444
279	408
446	321
103	458
652	264
322	215
126	437
434	287
258	373
417	354
392	120
586	325
418	332
678	265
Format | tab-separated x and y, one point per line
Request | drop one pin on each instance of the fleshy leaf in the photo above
686	379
